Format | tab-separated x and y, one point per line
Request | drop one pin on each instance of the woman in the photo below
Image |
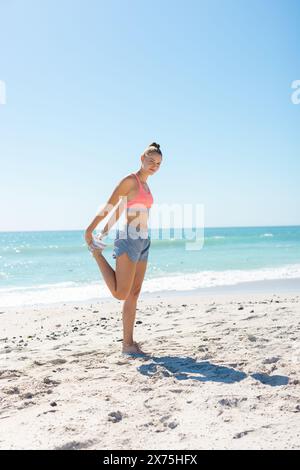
131	246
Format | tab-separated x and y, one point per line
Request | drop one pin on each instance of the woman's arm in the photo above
121	190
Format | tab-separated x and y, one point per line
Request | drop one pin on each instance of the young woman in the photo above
131	246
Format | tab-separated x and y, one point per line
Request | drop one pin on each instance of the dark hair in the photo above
152	148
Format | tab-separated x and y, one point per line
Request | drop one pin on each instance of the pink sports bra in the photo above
143	200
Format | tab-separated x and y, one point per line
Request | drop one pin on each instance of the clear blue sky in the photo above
91	83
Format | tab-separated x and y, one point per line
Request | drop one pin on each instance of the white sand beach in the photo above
222	373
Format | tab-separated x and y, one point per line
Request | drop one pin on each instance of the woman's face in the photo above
151	163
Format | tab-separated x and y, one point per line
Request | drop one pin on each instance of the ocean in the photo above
55	266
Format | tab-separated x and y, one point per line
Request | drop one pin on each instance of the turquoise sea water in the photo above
54	266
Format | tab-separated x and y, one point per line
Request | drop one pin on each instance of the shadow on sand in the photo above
183	368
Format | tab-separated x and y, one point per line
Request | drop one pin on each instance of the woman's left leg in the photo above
129	306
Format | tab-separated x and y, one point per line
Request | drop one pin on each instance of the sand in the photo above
222	373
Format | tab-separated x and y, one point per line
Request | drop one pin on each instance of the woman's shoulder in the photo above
127	182
129	179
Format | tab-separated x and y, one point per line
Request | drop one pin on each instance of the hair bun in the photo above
154	144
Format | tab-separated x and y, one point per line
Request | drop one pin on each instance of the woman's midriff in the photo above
138	219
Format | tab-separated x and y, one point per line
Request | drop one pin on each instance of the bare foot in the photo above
133	348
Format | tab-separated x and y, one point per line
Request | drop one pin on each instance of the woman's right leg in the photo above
118	281
129	308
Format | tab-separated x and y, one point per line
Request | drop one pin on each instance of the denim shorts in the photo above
135	244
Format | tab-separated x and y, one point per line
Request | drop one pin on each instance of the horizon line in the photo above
153	228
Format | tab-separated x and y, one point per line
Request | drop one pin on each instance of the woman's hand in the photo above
102	235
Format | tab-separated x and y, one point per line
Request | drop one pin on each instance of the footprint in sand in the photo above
271	360
242	434
115	416
11	390
75	445
49	381
231	402
58	361
7	374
